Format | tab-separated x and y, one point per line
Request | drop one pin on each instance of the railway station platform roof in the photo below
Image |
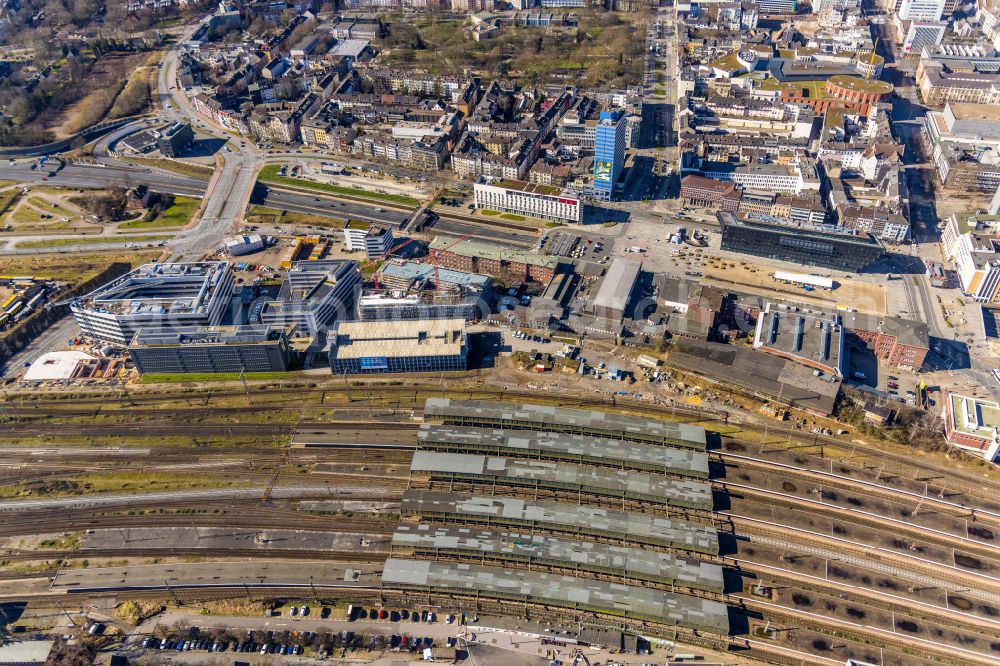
643	486
595	521
563	419
566	446
523	546
558	590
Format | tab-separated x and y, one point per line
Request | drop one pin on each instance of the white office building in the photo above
156	296
313	296
921	10
520	198
374	241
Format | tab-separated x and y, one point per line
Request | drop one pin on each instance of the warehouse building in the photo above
801	334
621	526
154	296
398	346
843	250
615	291
562	419
240	245
527	548
494	471
563	447
314	295
211	349
556	590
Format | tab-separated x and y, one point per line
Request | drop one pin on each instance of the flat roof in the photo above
873	86
525	546
523	186
613	451
969	111
596	521
208	335
810	335
593	480
973	416
619	426
557	590
618	283
473	248
55	365
411	270
398	338
172	288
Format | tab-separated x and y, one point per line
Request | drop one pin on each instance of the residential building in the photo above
211	349
436	345
520	198
609	154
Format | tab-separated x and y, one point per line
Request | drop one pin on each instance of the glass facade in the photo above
810	247
609	154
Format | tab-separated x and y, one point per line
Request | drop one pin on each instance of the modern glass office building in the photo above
609	153
808	245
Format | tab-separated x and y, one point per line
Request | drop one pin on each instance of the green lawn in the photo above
65	242
269	174
183	168
265	215
181	377
512	217
177	215
7	198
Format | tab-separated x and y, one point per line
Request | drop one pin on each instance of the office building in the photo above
972	424
520	198
508	265
398	346
154	296
314	295
808	245
375	241
710	193
921	10
211	349
901	342
609	153
175	140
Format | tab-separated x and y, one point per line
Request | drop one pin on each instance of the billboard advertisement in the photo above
602	171
373	362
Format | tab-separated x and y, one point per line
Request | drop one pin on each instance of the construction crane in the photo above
434	259
392	251
871	61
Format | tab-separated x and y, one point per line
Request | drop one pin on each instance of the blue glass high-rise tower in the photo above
609	153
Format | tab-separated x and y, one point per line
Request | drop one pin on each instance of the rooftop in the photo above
857	83
556	590
208	335
411	270
526	546
618	283
179	288
482	250
622	525
365	339
593	480
967	111
611	451
973	416
526	416
529	188
808	335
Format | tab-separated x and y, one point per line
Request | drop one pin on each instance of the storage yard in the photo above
570	509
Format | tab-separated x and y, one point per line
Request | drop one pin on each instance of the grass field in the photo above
265	215
183	168
72	268
117	482
177	215
269	174
182	377
68	242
